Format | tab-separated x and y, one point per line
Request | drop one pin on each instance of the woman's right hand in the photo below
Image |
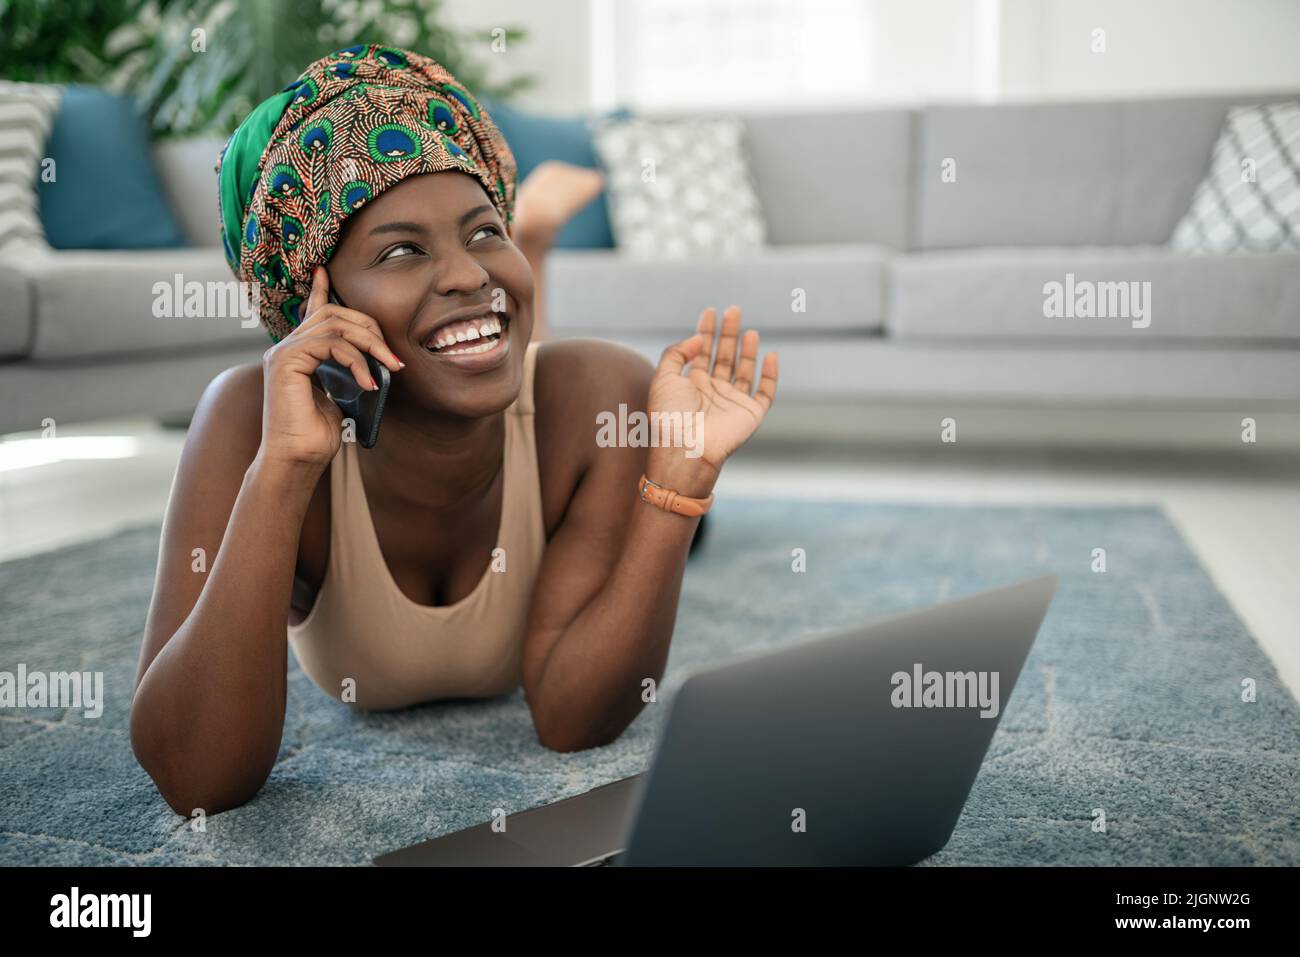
300	425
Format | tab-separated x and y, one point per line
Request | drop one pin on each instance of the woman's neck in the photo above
435	462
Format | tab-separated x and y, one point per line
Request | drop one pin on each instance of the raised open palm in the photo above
718	381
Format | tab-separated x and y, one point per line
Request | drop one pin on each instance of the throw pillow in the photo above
26	114
107	194
680	188
1250	199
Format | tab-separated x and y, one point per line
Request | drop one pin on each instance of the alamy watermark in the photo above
946	689
1085	299
55	689
228	299
656	429
129	911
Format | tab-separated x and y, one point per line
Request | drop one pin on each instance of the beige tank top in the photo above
398	652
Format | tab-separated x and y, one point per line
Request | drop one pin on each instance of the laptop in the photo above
852	747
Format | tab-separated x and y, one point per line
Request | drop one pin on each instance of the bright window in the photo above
678	54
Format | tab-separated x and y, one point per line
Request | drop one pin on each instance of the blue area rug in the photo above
1130	702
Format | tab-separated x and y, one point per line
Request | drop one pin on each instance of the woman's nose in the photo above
460	272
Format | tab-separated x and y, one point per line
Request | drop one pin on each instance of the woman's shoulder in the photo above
574	376
574	380
229	413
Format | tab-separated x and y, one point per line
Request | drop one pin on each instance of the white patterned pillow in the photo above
26	113
679	189
1250	199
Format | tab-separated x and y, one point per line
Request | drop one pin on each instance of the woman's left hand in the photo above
716	398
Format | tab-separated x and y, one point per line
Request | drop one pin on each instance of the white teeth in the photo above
488	327
470	350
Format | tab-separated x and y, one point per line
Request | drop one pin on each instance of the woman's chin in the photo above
475	397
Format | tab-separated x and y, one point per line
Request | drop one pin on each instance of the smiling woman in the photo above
435	237
488	542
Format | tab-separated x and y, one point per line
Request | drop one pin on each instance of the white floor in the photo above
1240	514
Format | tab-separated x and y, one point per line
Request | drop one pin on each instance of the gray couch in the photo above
923	297
78	338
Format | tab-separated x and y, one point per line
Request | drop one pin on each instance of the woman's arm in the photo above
606	596
208	711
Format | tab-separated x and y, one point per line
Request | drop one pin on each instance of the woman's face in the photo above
429	250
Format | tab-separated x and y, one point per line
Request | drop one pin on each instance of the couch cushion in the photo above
600	292
1000	293
869	368
1119	173
121	386
15	309
833	177
102	303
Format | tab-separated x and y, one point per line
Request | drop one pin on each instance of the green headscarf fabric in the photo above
353	124
240	166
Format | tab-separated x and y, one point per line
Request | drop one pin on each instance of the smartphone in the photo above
363	406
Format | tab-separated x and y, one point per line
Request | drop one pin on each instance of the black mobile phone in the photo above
363	406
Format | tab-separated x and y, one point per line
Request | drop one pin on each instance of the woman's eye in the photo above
397	251
490	230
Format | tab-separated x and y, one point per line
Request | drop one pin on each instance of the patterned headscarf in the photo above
353	124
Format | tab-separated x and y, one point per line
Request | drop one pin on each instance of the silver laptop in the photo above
854	747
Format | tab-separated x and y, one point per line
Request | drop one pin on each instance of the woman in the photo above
486	542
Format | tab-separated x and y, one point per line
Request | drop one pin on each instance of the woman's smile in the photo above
479	334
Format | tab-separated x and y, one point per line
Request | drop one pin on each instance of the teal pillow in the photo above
106	193
534	139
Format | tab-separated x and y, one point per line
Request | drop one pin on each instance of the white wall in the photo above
925	49
940	49
556	51
1153	47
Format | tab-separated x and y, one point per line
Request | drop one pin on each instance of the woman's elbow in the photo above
183	789
564	744
569	736
191	798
